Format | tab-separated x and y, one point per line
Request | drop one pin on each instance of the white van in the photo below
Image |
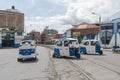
27	50
90	46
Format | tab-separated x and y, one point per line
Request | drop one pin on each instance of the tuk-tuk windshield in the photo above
59	43
73	41
66	43
95	43
26	42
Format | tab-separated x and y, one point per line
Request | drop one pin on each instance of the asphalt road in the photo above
89	67
10	69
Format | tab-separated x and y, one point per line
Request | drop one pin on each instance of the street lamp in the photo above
105	34
99	19
99	23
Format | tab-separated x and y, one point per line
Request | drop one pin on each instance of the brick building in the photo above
11	27
12	18
47	35
58	36
35	35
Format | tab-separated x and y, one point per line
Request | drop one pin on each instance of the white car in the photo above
27	50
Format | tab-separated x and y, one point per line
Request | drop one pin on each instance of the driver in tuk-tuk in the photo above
97	44
74	45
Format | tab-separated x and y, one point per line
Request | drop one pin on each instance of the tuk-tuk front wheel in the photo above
55	55
84	52
19	59
101	52
78	56
35	58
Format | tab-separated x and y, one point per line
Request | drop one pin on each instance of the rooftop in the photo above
85	26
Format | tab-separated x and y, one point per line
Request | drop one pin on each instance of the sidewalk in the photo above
110	50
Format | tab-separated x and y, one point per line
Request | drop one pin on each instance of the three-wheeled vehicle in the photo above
67	47
90	46
27	50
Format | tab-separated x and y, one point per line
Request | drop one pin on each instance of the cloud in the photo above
77	11
39	23
81	11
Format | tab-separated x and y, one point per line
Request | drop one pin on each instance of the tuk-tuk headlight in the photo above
32	50
20	51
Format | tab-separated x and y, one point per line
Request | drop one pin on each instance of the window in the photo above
106	37
19	33
118	26
59	43
93	43
86	43
66	43
106	26
26	42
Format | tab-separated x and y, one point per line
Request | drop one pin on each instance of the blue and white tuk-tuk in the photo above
67	47
90	47
27	50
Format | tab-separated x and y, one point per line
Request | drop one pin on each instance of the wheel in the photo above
19	60
35	58
55	56
84	52
101	52
78	56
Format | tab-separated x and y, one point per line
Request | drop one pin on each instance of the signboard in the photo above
8	36
4	30
78	33
68	33
106	26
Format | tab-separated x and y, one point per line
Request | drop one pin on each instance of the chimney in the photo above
13	7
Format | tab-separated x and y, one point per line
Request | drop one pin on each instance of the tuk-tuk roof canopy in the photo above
67	39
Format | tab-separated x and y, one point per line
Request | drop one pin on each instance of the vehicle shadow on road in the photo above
70	58
8	48
29	61
94	54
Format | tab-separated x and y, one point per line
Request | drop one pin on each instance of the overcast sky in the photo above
61	14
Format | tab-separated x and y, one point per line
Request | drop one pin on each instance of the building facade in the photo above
35	35
11	27
82	30
110	33
47	35
12	18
